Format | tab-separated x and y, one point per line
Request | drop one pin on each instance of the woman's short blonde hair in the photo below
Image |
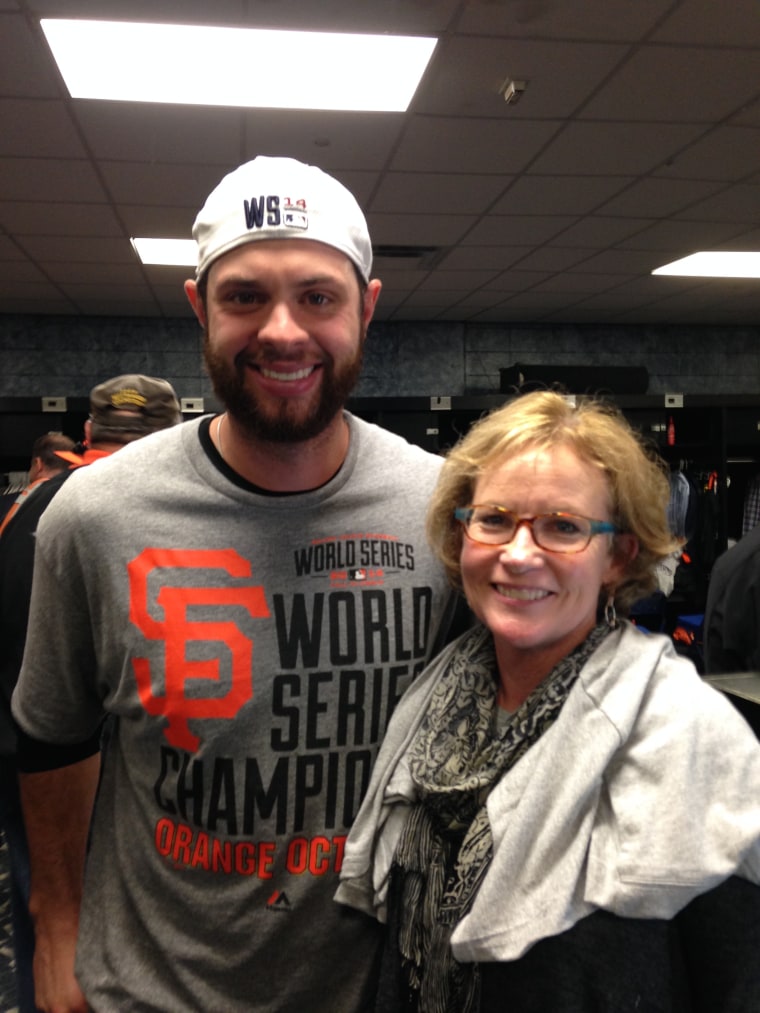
598	433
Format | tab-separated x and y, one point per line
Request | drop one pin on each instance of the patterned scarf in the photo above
459	754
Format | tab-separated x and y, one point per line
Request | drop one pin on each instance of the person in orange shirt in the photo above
122	409
45	463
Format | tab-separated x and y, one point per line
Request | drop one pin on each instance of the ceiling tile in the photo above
685	89
79	249
724	153
160	222
168	279
334	141
469	73
474	146
425	230
555	258
141	132
515	280
517	230
739	203
10	250
578	284
625	262
637	138
708	23
39	218
51	180
32	129
673	236
437	193
161	184
611	149
570	19
476	258
450	281
570	195
104	273
25	66
661	197
21	271
601	230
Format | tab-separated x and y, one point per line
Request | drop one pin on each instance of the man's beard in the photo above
288	423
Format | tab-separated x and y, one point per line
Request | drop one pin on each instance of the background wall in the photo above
65	356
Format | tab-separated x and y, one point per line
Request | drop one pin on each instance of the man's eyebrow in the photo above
239	280
322	279
245	281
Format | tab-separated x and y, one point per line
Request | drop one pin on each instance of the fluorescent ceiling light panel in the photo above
168	252
715	264
199	65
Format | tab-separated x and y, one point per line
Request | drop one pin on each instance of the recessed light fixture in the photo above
167	252
715	264
207	65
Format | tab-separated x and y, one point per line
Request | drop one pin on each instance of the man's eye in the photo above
317	299
239	297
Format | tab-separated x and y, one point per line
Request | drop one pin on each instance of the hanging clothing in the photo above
751	515
680	507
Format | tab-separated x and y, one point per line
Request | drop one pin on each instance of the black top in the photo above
16	566
705	960
733	609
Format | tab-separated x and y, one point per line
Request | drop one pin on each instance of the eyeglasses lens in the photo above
555	532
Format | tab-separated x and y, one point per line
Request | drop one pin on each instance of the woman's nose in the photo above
522	545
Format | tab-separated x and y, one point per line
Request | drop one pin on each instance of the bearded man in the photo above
244	599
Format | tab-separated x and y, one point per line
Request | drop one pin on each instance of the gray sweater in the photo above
642	796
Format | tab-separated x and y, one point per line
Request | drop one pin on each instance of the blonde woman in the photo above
563	817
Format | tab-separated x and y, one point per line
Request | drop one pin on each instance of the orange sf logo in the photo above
177	631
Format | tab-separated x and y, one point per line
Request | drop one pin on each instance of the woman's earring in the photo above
610	615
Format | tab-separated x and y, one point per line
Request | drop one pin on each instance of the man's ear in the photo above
191	291
370	301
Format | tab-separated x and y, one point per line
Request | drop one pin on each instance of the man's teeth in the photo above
522	593
274	374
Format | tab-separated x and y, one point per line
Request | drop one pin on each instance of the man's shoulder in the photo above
397	447
143	456
745	553
97	489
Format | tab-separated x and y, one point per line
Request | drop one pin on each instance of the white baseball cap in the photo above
281	198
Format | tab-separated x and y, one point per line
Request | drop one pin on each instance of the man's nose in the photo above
281	323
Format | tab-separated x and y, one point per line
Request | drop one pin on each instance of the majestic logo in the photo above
278	902
176	630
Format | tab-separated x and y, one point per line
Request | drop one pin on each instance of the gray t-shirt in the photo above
248	650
